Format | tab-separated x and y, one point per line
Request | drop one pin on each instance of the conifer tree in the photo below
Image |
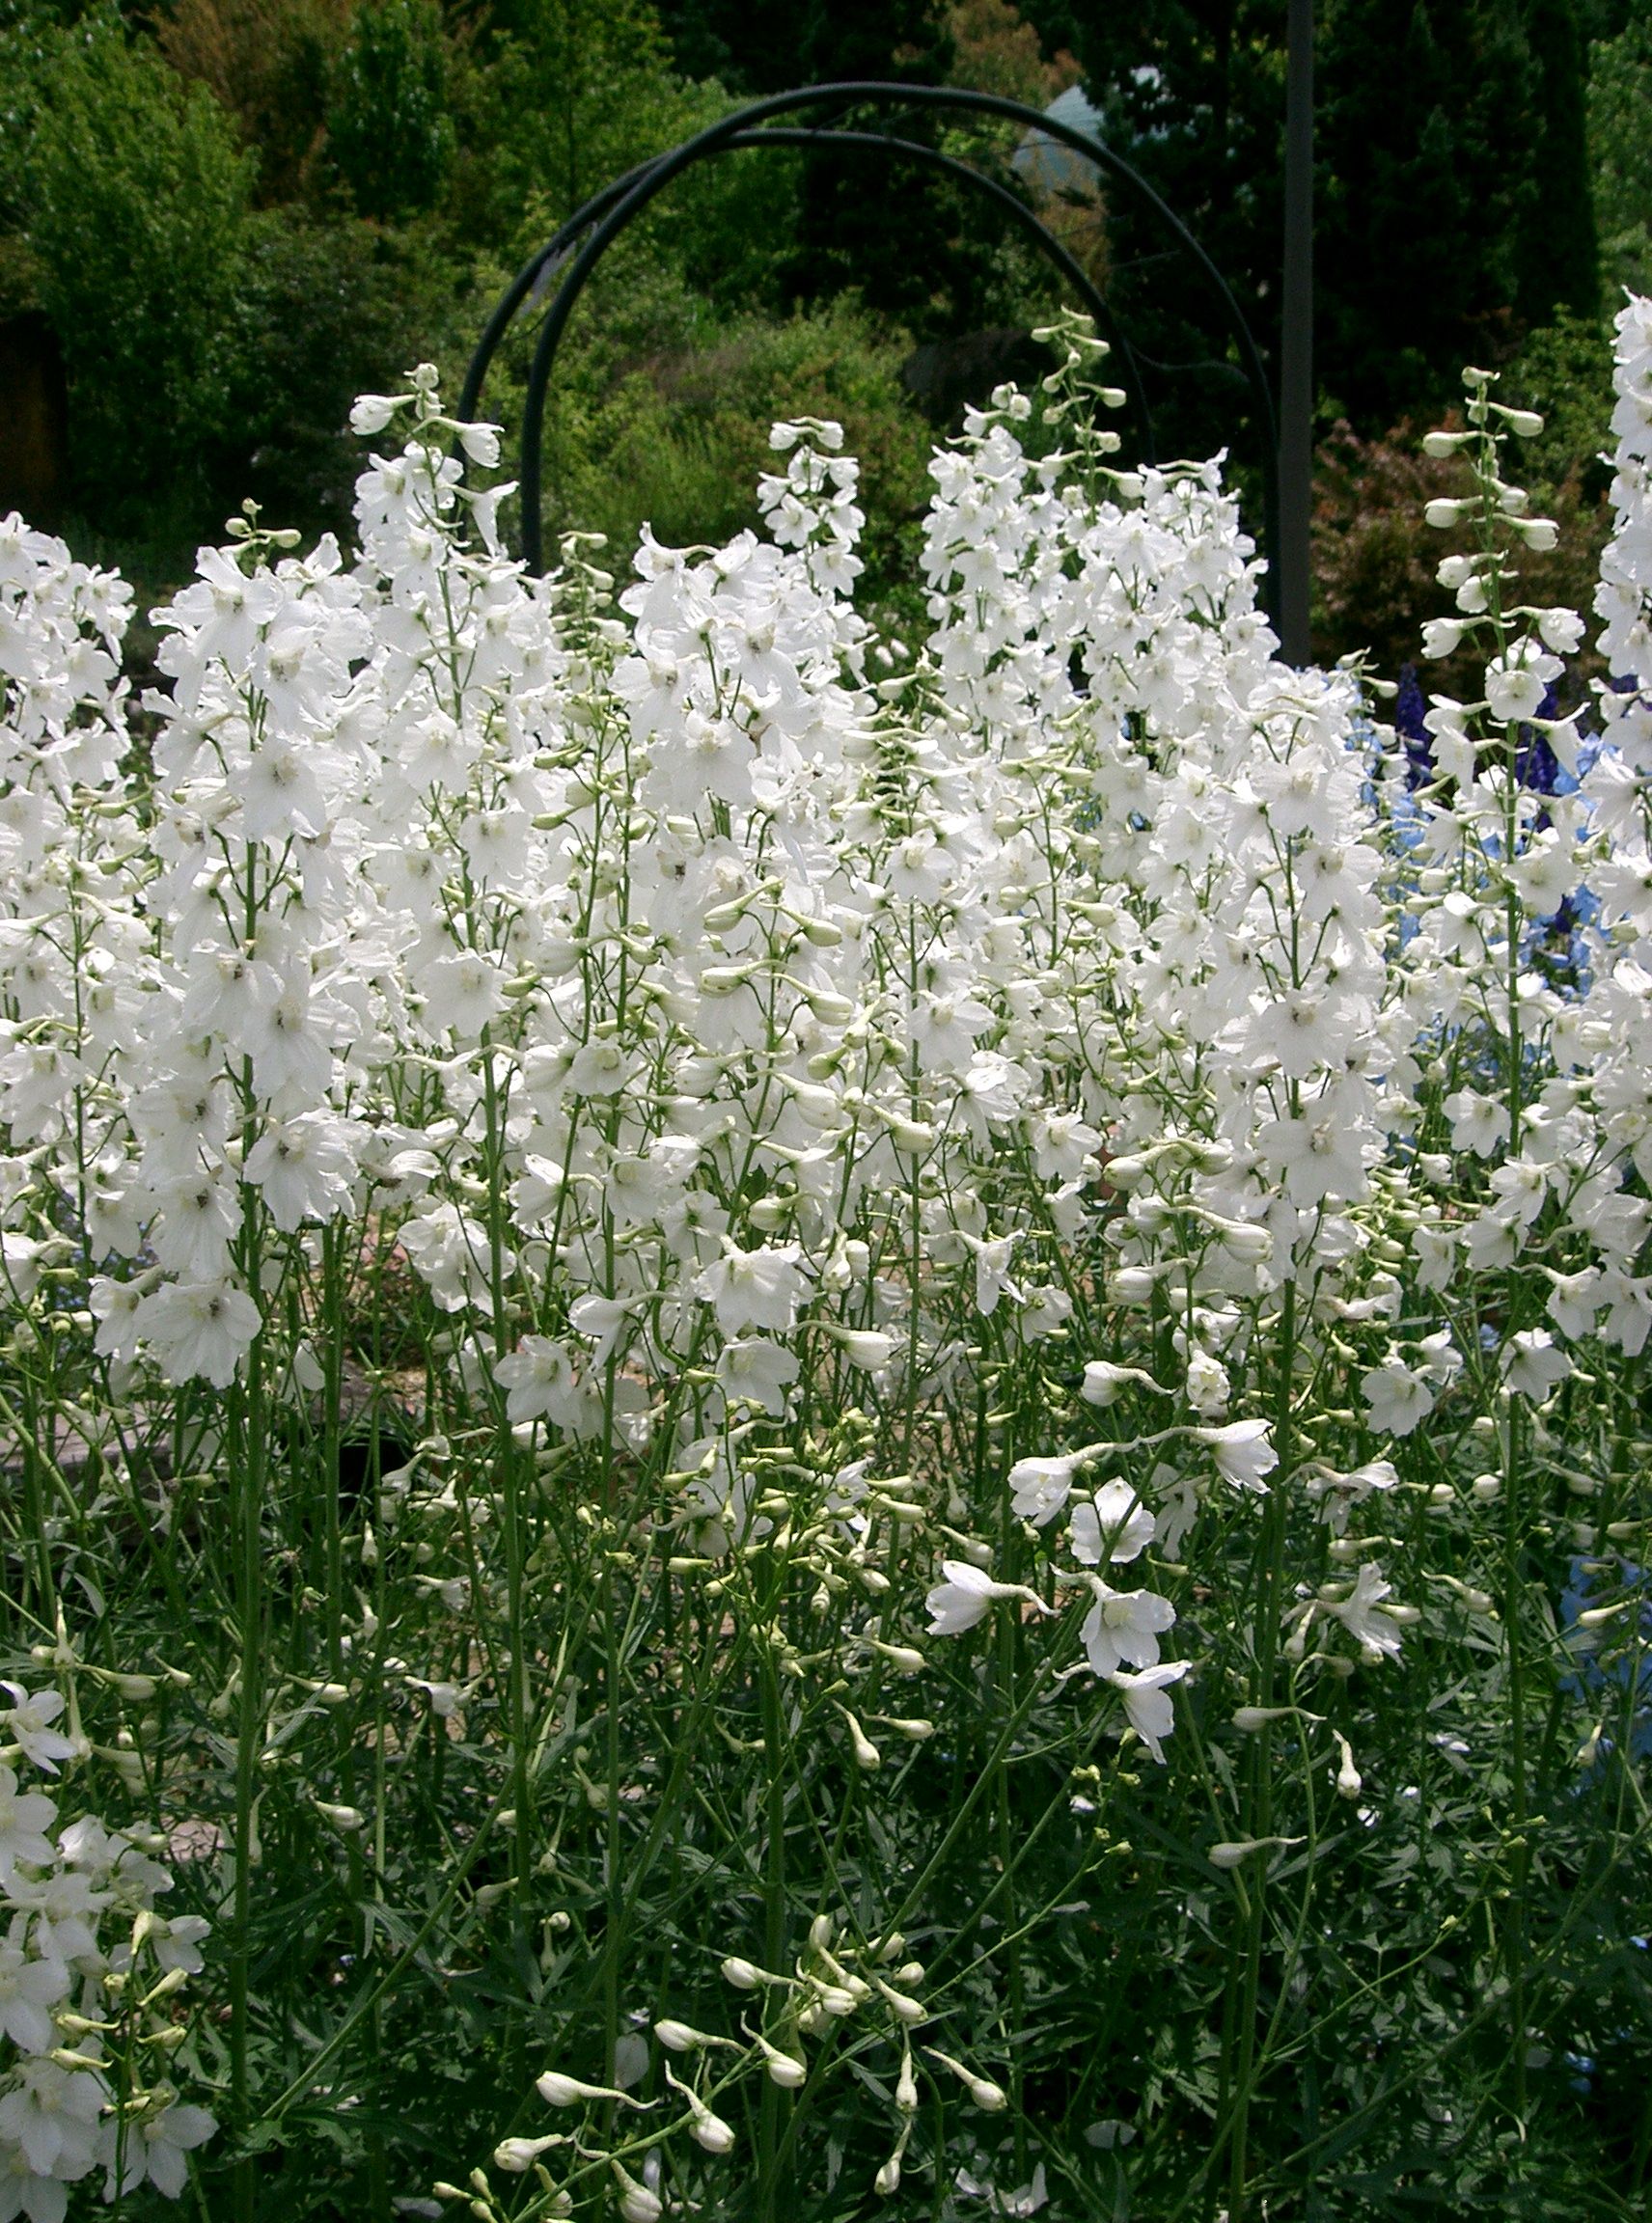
1452	194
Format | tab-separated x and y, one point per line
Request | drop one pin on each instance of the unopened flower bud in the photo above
866	1753
1349	1782
517	2156
558	2091
636	2203
981	2089
906	2089
908	2008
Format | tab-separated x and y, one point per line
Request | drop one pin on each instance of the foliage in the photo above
1373	555
995	50
1471	111
1620	153
269	65
678	440
135	197
389	132
322	306
799	1420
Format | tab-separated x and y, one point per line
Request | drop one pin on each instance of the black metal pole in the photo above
1294	555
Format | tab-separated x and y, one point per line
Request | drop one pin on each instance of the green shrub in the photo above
1620	157
327	311
389	130
134	198
660	414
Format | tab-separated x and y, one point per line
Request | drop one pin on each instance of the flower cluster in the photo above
89	1978
1072	1129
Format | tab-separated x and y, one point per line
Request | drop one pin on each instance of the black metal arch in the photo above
602	219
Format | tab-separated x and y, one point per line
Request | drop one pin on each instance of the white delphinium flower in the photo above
25	1818
753	1371
1531	1364
28	1723
1243	1450
199	1328
30	1987
1148	1702
1362	1614
1040	1487
1397	1396
52	2115
1114	1525
540	1381
1124	1627
157	2140
966	1596
760	1288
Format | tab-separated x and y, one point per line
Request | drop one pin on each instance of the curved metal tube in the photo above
522	284
1014	206
608	213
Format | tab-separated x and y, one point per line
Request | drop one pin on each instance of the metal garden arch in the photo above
605	216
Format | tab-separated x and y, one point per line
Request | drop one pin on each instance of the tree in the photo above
1620	156
389	132
896	237
1453	179
1454	192
133	197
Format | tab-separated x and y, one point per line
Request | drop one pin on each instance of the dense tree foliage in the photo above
1472	111
235	213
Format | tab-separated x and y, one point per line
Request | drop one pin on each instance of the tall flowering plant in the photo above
774	1395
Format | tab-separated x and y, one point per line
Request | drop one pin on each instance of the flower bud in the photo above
517	2156
903	1657
986	2095
558	2091
744	1975
906	2089
1349	1782
636	2203
866	1753
1443	513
